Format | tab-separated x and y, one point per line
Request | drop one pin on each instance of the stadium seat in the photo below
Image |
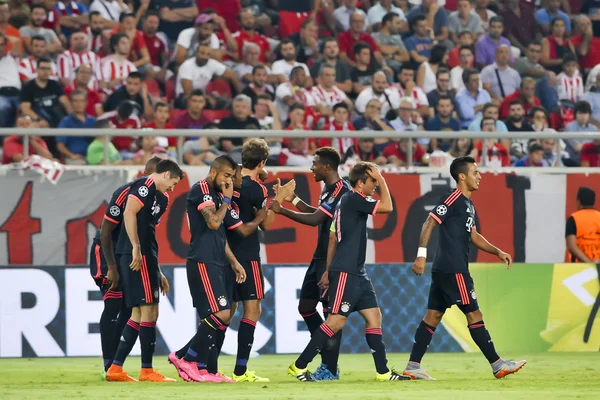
219	88
153	89
170	89
175	114
215	115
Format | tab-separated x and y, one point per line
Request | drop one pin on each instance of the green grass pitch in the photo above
460	376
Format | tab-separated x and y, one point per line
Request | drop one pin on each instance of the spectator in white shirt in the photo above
284	67
110	10
379	10
203	33
379	90
197	72
569	82
326	94
10	85
342	15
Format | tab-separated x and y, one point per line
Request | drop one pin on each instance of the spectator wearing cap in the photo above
593	97
248	34
77	55
534	158
390	42
83	77
34	28
240	118
519	24
569	83
583	111
487	45
364	150
433	13
556	46
526	94
377	13
110	10
331	51
471	99
499	79
388	98
197	72
28	66
464	19
193	118
116	67
74	148
581	230
419	44
343	15
545	15
306	42
355	34
134	90
288	62
176	16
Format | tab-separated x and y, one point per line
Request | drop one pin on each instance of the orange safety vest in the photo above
587	222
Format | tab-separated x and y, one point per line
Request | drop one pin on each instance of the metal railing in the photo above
196	133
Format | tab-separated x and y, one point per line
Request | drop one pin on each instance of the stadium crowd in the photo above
337	65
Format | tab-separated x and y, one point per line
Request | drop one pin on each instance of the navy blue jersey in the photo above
232	219
328	201
251	197
207	245
143	190
350	223
456	215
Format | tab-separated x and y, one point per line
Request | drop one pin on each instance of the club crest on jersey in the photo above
222	301
207	197
441	210
331	200
473	294
114	211
143	191
345	307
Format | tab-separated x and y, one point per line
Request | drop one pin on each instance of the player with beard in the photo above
325	169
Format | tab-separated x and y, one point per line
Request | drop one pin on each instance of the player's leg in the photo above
109	323
251	293
478	331
437	304
342	289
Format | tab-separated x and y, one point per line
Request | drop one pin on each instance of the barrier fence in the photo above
54	311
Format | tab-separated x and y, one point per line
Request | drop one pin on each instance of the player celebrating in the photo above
209	254
325	169
349	286
138	261
105	274
451	282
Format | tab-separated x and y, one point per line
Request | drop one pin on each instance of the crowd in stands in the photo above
336	65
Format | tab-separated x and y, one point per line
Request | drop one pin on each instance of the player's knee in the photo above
252	310
136	314
336	322
474	316
307	306
433	317
224	315
149	313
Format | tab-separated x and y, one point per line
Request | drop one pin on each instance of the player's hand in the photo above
276	206
419	265
113	277
227	188
240	273
278	186
261	214
324	281
263	175
506	258
286	191
375	173
136	263
164	284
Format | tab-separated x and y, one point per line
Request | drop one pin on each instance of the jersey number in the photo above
469	224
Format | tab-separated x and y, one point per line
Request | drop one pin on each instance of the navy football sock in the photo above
317	342
375	341
147	342
482	338
130	335
423	337
245	341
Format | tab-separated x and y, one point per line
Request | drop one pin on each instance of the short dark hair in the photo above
465	47
437	54
586	196
460	165
535	43
515	102
329	156
254	151
258	67
327	40
444	97
102	123
441	70
135	75
264	96
125	15
341	104
223	161
496	19
467	73
287	41
583	107
171	167
43	60
159	104
415	19
389	17
535	147
555	20
115	39
196	92
43	7
569	58
486	119
359	172
488	106
151	13
93	14
125	109
78	92
38	38
295	70
360	46
297	106
306	22
152	163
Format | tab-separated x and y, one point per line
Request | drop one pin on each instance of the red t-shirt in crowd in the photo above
505	106
13	145
590	153
124	142
592	58
497	150
172	139
454	58
341	144
347	42
393	149
155	47
137	44
93	98
242	37
228	9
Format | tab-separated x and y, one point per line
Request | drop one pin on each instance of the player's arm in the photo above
385	203
331	249
164	282
248	228
213	217
302	206
282	192
240	274
306	218
426	230
132	208
106	230
482	244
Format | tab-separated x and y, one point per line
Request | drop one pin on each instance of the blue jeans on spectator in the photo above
547	94
8	110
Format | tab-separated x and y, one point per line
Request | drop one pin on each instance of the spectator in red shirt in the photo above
340	123
124	118
496	151
465	38
248	34
590	154
526	94
138	54
13	145
348	39
157	49
162	113
83	76
586	44
193	118
396	152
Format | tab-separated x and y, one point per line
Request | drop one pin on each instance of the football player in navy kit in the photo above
325	169
451	283
137	249
347	281
106	275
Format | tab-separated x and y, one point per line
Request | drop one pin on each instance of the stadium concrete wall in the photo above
44	223
53	311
